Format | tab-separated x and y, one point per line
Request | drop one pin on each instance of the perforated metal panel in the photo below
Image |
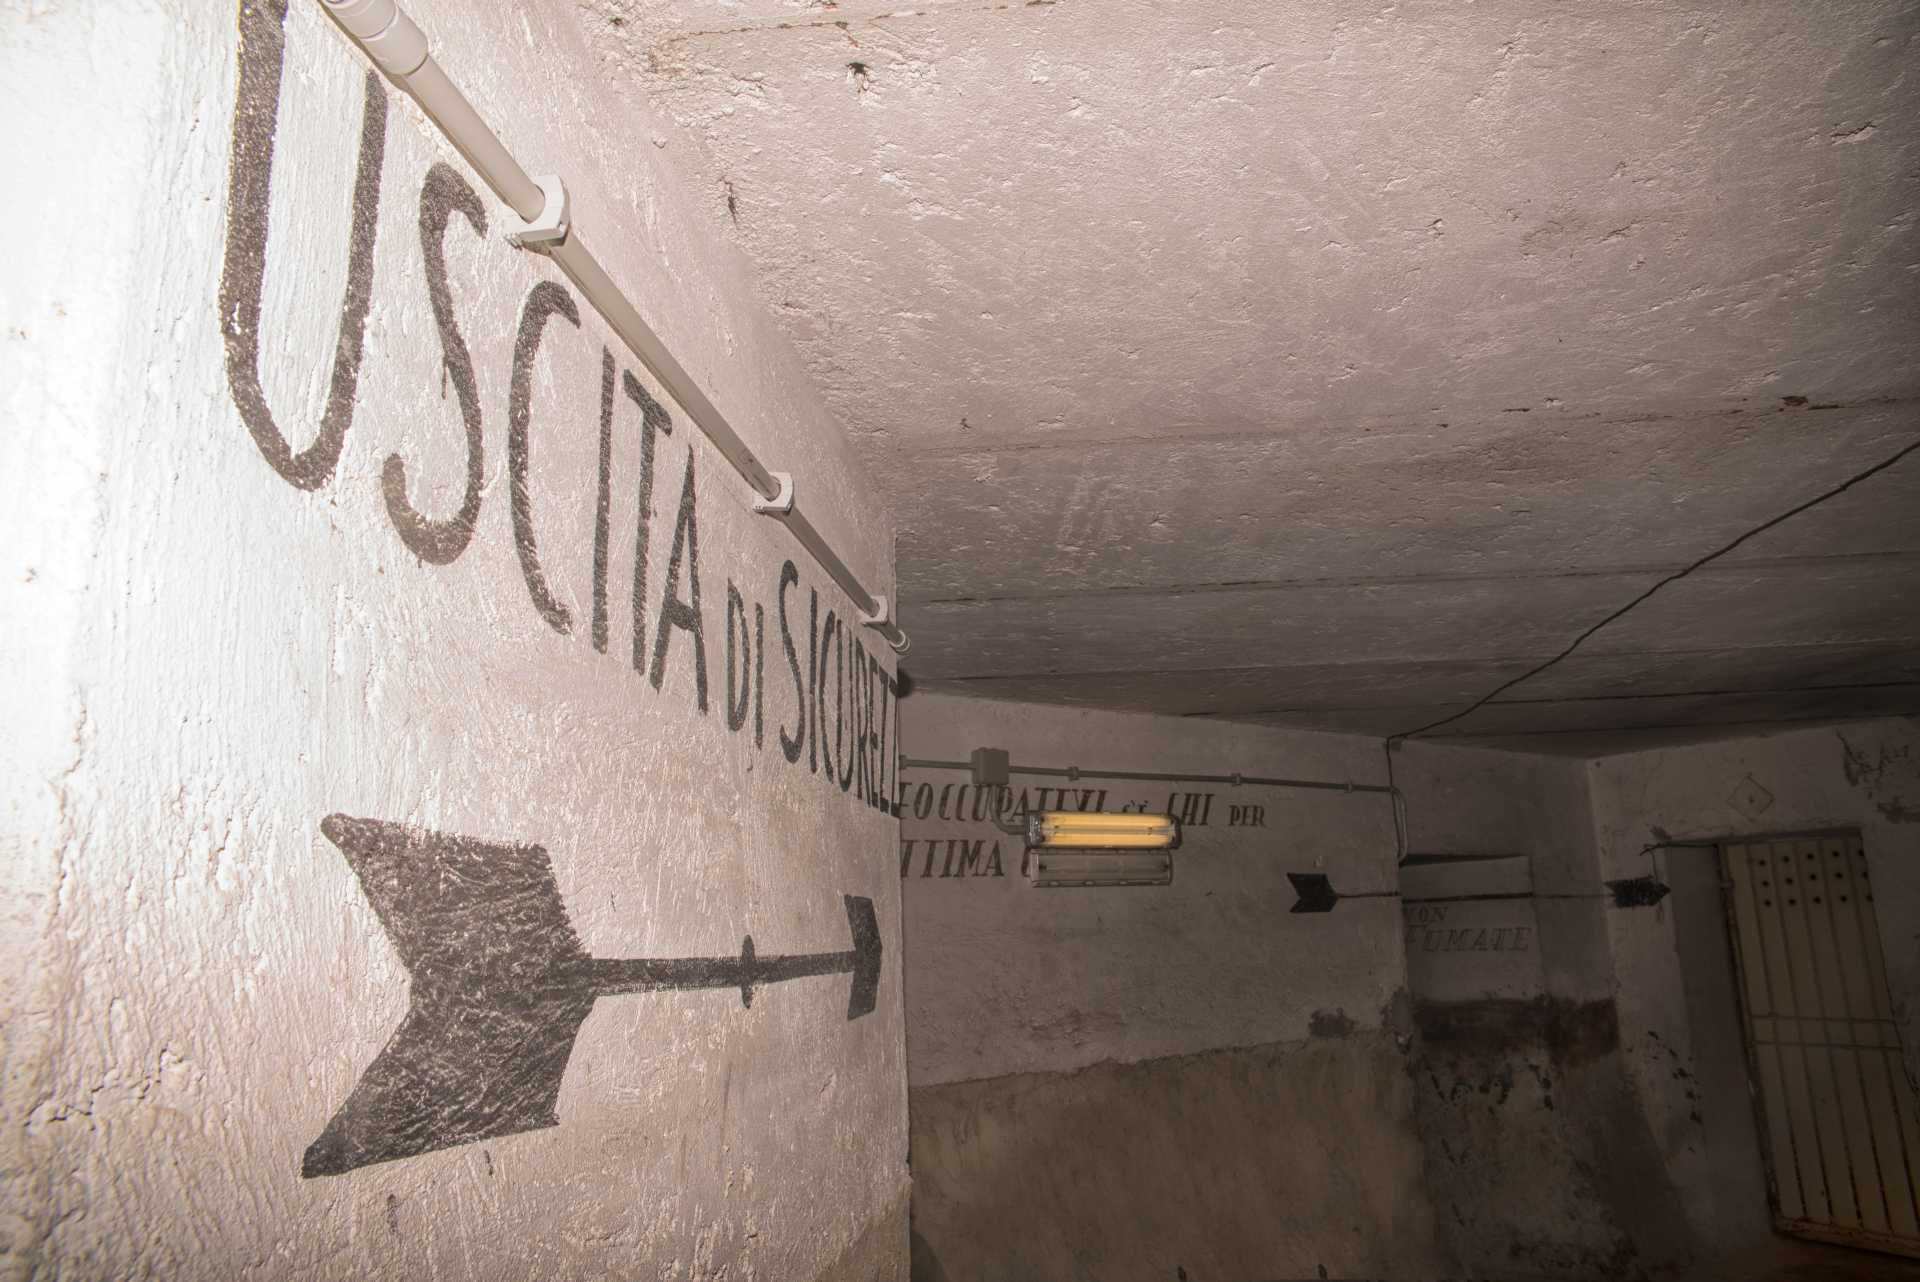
1839	1120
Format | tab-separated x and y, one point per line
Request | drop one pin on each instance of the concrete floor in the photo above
1786	1260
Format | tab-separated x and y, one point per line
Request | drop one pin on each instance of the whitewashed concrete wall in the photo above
1151	1082
216	636
1864	776
1006	978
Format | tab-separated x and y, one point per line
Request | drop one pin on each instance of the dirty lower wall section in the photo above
416	755
1241	1162
1135	1082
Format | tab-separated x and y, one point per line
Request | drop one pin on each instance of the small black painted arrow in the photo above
1317	895
500	987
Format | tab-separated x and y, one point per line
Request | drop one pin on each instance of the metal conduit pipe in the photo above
399	48
1075	772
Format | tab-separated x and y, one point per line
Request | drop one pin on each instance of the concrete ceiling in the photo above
1330	365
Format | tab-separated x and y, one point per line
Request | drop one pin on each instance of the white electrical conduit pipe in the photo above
399	48
1155	776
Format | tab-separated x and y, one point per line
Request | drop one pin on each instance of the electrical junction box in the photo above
991	766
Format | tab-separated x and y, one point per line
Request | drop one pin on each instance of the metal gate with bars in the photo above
1839	1121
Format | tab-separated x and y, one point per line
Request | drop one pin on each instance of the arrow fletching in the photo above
1637	892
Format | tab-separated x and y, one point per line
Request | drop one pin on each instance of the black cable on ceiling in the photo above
1399	824
1675	577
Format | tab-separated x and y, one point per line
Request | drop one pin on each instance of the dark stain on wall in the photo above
1881	773
1689	1085
1330	1023
1539	1158
1570	1033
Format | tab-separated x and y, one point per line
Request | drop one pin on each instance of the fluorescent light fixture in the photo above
1099	830
1095	848
1101	867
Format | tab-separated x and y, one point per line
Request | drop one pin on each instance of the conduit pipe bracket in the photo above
782	501
880	617
551	225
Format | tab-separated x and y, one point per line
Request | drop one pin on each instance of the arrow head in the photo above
1316	893
866	956
457	1071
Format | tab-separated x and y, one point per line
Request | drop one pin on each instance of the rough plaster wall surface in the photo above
1864	776
1006	978
206	660
49	436
1331	367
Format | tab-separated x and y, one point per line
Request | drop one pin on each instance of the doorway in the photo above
1838	1120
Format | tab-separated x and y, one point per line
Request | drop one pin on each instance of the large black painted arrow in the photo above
500	987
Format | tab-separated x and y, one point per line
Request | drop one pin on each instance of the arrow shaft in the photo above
1634	892
611	976
1489	898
